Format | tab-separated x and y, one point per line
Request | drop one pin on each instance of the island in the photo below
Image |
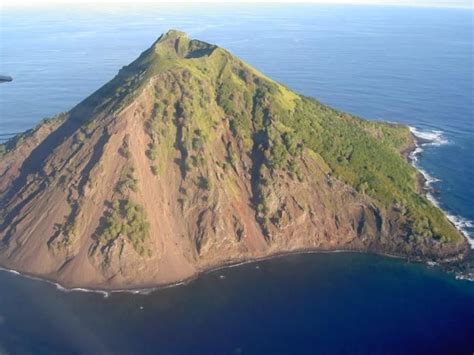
5	79
190	160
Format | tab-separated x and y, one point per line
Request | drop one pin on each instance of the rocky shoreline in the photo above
463	268
424	181
146	289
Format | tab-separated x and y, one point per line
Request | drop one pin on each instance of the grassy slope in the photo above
364	154
367	156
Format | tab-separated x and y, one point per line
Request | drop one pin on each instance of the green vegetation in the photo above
154	169
80	136
277	127
203	183
127	181
198	143
366	155
152	153
124	149
126	219
16	141
64	237
69	232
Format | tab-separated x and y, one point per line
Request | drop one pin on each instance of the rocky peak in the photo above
177	43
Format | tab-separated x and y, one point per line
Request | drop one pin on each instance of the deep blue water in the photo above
410	65
300	304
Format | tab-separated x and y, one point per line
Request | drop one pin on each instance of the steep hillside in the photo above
189	159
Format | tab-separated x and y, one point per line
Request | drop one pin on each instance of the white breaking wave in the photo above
429	179
463	224
433	137
436	138
463	276
429	138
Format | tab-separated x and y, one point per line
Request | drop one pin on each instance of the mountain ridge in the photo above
189	159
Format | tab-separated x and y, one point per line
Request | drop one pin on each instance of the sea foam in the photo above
436	138
432	137
426	138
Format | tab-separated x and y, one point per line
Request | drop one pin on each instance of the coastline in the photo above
147	289
425	180
411	153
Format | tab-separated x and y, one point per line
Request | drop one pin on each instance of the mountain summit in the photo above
190	159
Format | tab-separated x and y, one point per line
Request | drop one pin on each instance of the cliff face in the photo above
189	159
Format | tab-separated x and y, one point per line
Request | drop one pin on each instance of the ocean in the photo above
398	64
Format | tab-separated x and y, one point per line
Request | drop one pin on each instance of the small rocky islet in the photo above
190	159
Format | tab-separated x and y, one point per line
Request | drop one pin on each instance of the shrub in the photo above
198	143
127	181
124	149
154	170
152	153
204	183
127	219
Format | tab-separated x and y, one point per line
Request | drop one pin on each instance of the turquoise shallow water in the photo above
407	65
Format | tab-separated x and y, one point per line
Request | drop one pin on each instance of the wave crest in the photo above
429	137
